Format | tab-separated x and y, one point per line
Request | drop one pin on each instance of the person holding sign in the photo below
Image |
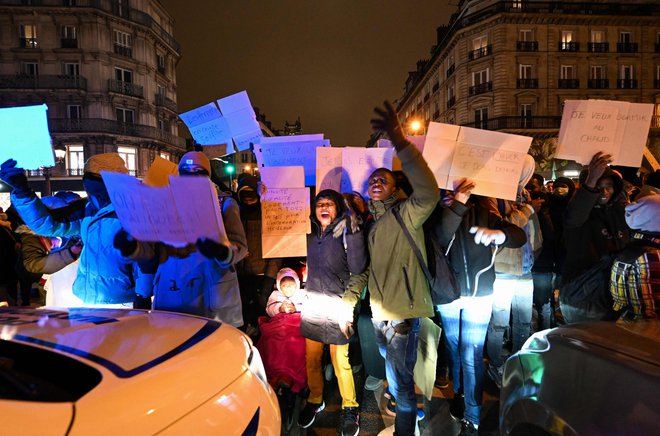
335	252
103	278
594	228
197	279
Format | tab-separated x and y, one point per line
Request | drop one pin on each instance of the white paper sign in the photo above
328	168
615	127
358	163
241	119
24	137
297	153
178	214
206	125
493	160
283	177
285	222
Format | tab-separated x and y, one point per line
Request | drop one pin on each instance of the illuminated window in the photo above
129	154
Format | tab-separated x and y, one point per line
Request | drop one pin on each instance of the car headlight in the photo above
256	366
538	342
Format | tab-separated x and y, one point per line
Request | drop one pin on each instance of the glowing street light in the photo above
415	125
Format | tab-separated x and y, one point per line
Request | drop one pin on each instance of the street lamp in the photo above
416	127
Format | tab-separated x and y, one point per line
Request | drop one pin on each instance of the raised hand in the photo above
596	168
486	236
14	176
388	121
463	189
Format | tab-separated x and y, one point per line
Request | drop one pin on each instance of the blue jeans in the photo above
465	322
511	297
400	353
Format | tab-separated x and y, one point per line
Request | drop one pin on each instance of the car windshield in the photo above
28	373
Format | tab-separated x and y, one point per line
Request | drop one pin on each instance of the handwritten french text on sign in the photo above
492	159
241	119
328	168
358	163
285	222
616	127
177	214
24	137
299	153
207	126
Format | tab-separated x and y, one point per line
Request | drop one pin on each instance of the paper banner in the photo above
213	151
492	159
296	153
285	222
358	163
241	119
178	214
417	141
206	125
24	137
328	168
283	177
159	172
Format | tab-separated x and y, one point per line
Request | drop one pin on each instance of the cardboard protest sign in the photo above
241	120
328	168
24	137
417	140
178	214
213	151
159	172
358	163
285	222
292	153
492	159
206	125
615	127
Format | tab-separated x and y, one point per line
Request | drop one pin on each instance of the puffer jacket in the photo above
398	288
104	276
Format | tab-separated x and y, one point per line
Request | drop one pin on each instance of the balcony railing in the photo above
512	123
69	42
527	46
655	121
527	83
480	52
599	83
451	102
569	46
161	100
626	47
436	87
99	125
568	83
450	70
598	47
21	81
480	89
123	50
626	83
28	43
125	88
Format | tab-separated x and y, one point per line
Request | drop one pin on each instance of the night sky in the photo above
329	62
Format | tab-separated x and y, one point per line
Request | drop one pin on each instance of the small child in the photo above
281	345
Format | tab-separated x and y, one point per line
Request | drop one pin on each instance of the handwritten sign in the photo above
492	159
159	172
285	222
241	119
206	125
328	168
616	127
358	163
296	153
178	214
24	137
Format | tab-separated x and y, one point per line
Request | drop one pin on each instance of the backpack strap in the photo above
413	245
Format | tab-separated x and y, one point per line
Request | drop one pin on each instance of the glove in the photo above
14	177
124	243
486	236
213	250
141	302
388	121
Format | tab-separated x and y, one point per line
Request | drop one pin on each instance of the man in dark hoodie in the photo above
594	227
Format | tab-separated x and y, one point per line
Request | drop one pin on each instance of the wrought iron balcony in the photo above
125	88
451	102
626	47
28	43
480	52
123	50
626	83
599	83
527	83
161	100
99	125
480	89
598	47
569	46
568	83
69	42
527	46
517	122
450	70
23	81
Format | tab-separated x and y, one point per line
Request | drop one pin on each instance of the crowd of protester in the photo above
563	251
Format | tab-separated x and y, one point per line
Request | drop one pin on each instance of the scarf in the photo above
379	207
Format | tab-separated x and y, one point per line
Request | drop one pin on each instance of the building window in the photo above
28	36
129	154
71	69
75	160
525	35
160	63
480	82
244	158
657	77
480	47
525	79
567	78
567	72
598	42
481	118
567	42
526	115
124	115
627	77
30	69
526	41
73	111
123	43
165	155
69	37
598	77
626	44
123	75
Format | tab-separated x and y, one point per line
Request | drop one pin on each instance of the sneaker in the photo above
495	373
350	421
390	409
372	383
457	406
468	429
308	413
